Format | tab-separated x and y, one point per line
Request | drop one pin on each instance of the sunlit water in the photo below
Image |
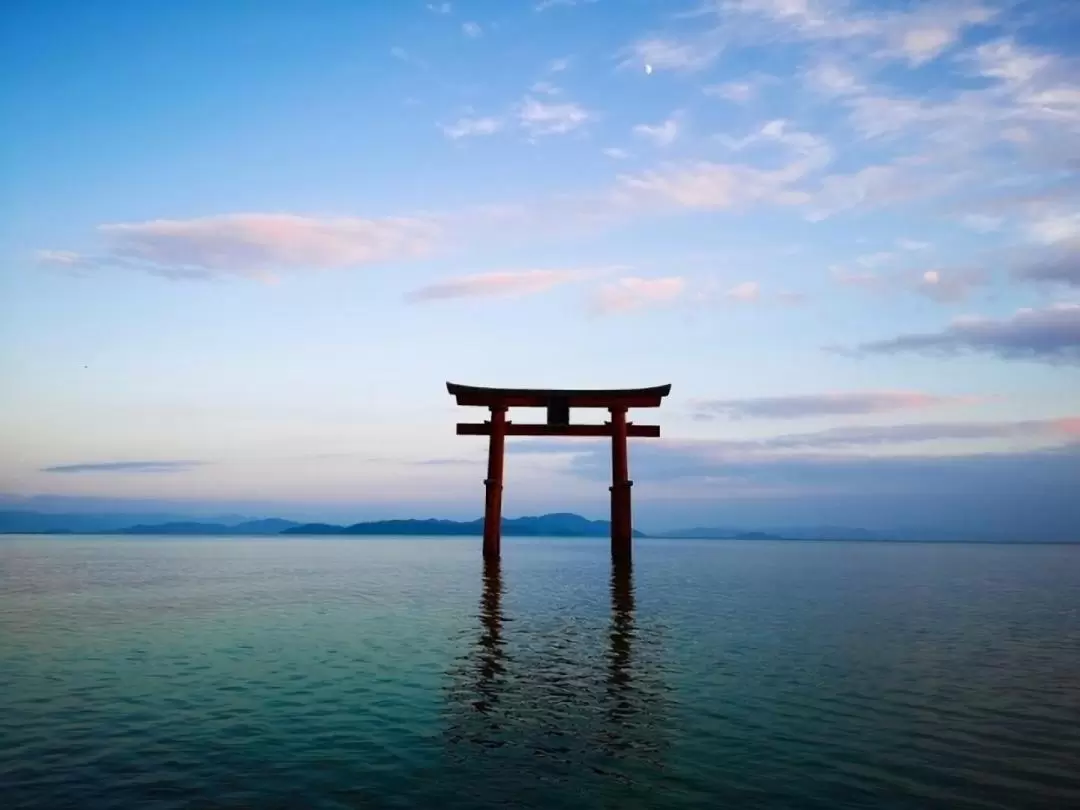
398	672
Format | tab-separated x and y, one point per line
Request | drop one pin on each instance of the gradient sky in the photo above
245	244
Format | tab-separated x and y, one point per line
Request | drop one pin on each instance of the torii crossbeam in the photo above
558	403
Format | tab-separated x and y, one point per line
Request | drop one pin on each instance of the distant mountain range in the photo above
248	527
562	524
30	522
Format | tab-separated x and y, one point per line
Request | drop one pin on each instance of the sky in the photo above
244	245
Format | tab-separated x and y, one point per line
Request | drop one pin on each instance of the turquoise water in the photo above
399	672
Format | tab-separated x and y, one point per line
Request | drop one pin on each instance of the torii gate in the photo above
558	403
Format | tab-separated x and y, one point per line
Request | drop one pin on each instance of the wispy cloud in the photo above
709	185
912	244
1049	335
257	246
503	283
663	134
439	8
739	92
1027	111
661	53
848	403
126	467
923	35
615	153
1023	98
534	116
632	293
471	29
742	90
1009	62
544	5
540	118
831	78
876	186
915	37
472	127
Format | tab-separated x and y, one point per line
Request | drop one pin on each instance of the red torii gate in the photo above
558	403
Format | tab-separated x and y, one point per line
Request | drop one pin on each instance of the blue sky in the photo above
244	245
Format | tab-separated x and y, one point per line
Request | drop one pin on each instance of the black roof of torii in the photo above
571	397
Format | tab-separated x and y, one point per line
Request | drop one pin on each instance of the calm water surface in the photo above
399	672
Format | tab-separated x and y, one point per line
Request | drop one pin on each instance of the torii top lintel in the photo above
572	398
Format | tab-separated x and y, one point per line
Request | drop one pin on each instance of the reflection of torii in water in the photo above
532	700
622	633
491	651
491	645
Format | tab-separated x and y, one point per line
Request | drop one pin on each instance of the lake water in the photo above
399	672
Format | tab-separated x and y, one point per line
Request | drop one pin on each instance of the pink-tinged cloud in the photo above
260	245
708	186
849	403
506	283
632	293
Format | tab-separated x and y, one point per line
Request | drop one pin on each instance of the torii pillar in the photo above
558	403
621	512
493	484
